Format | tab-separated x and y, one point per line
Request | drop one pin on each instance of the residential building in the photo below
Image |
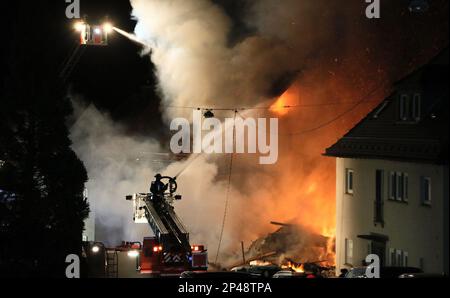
392	177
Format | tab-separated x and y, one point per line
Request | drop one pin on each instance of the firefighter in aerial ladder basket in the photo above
157	188
93	35
163	194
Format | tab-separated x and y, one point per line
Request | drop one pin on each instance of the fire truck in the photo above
169	251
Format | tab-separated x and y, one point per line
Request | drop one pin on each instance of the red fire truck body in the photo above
169	251
154	260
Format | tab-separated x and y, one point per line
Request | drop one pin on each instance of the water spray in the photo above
131	37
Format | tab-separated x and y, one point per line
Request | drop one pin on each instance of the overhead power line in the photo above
363	100
351	109
227	199
258	108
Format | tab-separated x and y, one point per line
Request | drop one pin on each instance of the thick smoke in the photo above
119	164
114	172
193	59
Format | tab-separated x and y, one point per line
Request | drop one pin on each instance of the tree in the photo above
42	207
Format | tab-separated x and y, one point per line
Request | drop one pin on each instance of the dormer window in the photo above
417	101
404	107
410	107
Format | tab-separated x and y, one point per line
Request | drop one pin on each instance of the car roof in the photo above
284	272
218	274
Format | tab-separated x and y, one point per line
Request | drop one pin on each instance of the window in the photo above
417	99
405	259
392	186
349	181
422	264
410	107
393	257
379	196
404	107
426	190
405	187
348	251
398	257
398	186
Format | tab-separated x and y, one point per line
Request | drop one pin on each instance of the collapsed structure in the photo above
292	247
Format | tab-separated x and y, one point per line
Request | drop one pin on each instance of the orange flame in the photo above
299	268
285	101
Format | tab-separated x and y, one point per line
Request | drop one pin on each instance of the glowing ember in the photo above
299	268
260	263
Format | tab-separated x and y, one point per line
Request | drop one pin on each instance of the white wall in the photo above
89	227
89	222
411	227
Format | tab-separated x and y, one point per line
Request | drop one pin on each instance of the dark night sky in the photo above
112	78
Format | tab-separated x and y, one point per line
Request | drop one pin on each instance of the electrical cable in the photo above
325	124
227	195
258	108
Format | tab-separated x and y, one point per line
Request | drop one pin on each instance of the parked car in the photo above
261	271
217	275
357	272
385	272
264	271
293	274
423	275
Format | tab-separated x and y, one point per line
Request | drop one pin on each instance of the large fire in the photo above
305	179
301	188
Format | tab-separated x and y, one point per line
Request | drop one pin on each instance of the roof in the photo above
382	135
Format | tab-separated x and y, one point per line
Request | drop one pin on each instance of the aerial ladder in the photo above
169	251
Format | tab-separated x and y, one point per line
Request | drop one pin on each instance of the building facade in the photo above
392	177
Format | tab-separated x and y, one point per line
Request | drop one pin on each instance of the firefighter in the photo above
158	188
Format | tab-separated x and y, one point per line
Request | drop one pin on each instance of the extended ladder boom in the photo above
163	221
